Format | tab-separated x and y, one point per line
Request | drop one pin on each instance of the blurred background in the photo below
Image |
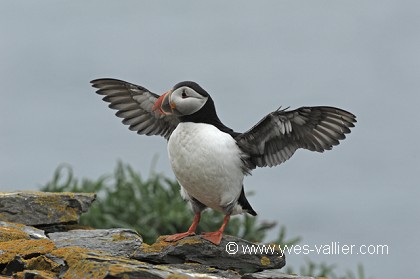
252	57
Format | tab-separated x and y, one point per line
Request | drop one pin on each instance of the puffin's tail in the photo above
244	203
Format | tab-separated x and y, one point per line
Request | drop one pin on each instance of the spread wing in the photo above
278	135
134	104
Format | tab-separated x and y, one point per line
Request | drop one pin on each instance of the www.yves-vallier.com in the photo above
332	248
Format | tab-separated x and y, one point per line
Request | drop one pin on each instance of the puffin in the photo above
209	159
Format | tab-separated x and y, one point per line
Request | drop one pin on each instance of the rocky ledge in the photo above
39	238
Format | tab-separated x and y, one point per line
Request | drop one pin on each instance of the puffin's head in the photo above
185	98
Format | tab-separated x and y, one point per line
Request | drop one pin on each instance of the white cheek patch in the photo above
199	103
191	105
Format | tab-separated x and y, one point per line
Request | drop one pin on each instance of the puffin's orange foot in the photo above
178	236
213	237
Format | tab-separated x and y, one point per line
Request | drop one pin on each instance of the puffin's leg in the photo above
216	237
191	230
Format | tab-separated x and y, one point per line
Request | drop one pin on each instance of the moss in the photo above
14	225
154	248
85	263
42	263
265	261
69	214
69	253
35	274
189	241
56	207
79	266
24	247
117	269
211	269
161	244
177	276
120	237
10	233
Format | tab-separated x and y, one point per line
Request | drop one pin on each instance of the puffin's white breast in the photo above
207	163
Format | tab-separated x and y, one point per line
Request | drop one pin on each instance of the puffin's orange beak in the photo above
163	104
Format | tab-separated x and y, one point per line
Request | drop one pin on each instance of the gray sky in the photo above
251	57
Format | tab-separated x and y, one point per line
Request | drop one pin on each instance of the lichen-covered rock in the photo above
273	274
84	263
10	250
195	249
12	231
63	250
116	242
35	274
40	209
17	256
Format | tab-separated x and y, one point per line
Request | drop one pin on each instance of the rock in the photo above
23	257
29	252
41	209
12	231
11	250
84	263
115	242
185	250
36	274
273	274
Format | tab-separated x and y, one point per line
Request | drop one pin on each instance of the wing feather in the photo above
277	136
134	104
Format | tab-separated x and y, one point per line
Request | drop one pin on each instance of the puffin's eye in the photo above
184	95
